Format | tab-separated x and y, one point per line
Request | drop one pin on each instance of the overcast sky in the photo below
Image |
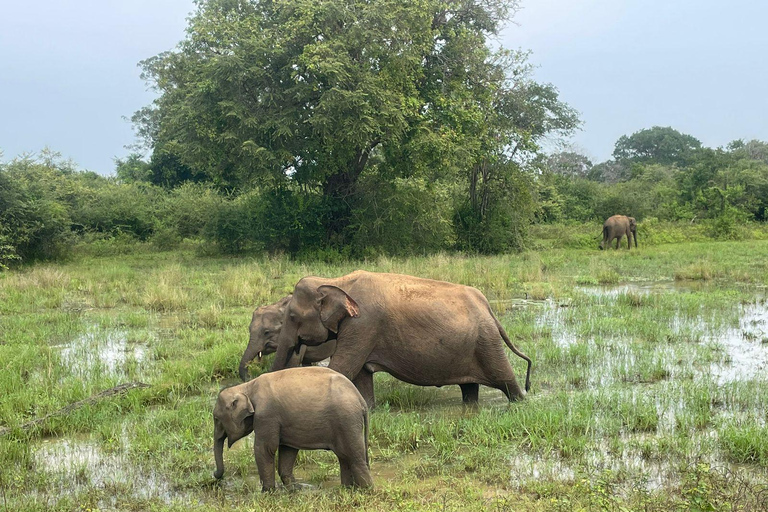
69	75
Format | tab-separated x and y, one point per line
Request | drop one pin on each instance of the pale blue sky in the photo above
68	70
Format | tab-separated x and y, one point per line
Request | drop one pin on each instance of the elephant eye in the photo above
266	332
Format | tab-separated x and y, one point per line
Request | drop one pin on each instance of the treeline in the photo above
349	128
47	205
662	174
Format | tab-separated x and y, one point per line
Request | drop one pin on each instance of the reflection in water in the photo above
746	345
80	464
106	353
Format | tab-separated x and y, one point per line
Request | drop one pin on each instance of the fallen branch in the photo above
117	390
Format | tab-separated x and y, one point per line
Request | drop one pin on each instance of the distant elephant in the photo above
425	332
617	227
296	409
264	329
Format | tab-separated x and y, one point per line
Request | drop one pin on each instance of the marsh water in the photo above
737	352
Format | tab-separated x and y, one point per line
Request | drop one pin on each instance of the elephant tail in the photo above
517	352
365	422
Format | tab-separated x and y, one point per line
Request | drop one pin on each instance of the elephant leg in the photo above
361	474
618	241
629	240
350	364
264	453
345	470
286	459
498	370
470	393
364	383
511	389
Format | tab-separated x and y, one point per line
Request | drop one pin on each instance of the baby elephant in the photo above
309	408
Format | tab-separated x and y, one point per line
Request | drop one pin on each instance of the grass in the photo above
626	386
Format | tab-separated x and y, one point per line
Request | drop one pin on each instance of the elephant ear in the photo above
335	305
632	223
242	407
284	302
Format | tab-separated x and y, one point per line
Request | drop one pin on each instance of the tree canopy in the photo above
663	145
311	95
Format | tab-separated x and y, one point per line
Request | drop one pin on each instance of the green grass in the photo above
626	346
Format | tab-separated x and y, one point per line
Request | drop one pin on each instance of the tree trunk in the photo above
339	189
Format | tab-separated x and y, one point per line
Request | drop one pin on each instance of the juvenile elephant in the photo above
296	409
264	329
617	227
425	332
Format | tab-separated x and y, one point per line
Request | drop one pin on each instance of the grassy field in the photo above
649	389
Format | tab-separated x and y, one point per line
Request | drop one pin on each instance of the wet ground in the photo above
79	463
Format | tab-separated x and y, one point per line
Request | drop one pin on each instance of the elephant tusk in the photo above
259	355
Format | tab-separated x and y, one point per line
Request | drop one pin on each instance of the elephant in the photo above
617	227
309	408
264	329
421	331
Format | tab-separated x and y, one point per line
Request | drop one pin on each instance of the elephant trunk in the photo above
634	235
218	449
286	346
254	349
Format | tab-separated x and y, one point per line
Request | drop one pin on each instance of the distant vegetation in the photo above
352	129
48	206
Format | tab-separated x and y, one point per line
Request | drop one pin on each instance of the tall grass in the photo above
623	385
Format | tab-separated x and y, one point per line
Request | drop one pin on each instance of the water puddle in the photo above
80	464
746	346
553	317
640	288
526	468
106	353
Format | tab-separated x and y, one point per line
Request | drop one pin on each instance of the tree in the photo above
752	150
311	93
661	145
132	169
568	163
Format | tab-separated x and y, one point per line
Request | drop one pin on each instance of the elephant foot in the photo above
300	486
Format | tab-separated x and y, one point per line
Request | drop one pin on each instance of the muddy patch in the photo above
79	464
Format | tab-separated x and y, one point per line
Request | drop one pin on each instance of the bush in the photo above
34	218
186	210
115	208
281	221
400	217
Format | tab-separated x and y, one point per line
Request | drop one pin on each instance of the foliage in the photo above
133	169
34	198
662	145
404	216
306	97
504	225
720	188
569	163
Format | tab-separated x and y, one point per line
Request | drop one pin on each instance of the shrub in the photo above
404	216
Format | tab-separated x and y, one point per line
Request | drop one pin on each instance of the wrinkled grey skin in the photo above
615	228
264	329
425	332
306	408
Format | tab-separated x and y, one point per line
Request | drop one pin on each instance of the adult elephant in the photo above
424	332
266	322
616	227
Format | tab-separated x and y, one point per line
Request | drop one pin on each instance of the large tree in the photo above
307	94
660	145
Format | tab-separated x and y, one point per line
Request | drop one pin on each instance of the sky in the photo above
69	75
